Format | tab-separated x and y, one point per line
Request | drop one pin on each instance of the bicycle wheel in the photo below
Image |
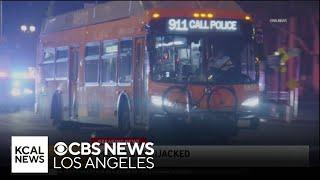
175	101
222	99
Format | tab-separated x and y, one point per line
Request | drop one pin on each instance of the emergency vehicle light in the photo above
203	15
248	18
155	15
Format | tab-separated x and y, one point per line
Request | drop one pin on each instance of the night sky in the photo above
23	45
15	13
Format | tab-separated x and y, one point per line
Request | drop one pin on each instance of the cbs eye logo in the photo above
60	148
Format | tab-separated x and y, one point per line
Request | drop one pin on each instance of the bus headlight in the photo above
157	101
251	102
15	92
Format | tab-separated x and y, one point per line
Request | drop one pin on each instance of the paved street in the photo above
269	133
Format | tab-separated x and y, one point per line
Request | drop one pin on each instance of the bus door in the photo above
138	92
73	78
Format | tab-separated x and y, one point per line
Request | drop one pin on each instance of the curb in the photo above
293	121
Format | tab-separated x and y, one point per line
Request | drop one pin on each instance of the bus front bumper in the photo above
245	118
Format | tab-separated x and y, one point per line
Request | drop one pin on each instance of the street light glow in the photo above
32	28
23	28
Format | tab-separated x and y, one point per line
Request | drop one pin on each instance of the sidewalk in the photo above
282	112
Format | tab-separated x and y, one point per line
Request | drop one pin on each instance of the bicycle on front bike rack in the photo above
217	104
179	101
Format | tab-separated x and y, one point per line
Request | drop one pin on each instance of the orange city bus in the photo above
126	63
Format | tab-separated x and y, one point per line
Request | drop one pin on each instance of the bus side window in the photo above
92	56
47	65
125	55
62	55
109	60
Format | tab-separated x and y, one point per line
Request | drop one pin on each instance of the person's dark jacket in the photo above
56	106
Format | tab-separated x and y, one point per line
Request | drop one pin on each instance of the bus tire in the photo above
124	116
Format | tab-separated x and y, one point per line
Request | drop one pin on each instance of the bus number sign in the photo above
201	25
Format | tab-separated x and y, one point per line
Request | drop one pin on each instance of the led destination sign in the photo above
202	25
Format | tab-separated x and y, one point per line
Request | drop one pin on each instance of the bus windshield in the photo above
199	59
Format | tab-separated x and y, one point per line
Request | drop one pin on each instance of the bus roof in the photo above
115	10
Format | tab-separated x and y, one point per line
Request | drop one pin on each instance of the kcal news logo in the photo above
29	154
